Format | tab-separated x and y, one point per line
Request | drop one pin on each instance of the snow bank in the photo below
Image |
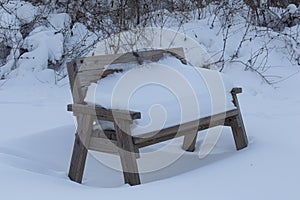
35	152
59	21
43	45
155	38
42	42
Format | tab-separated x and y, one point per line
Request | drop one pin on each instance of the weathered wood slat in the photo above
127	152
106	134
78	160
84	84
236	90
239	133
98	74
77	93
189	141
102	113
85	125
103	145
99	62
171	132
183	129
237	124
88	77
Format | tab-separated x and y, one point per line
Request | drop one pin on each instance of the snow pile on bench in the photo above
166	93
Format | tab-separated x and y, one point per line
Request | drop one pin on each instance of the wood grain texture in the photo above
76	89
82	140
85	126
237	124
78	160
189	141
99	62
239	133
127	152
103	145
147	139
103	113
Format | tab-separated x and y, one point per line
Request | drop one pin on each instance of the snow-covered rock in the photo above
43	45
292	8
59	21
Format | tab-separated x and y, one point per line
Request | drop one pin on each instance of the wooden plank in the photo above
237	124
78	96
109	135
189	141
85	83
79	149
171	132
106	134
84	128
96	62
239	133
71	68
103	145
236	90
93	76
127	152
99	62
78	160
94	72
100	73
85	123
102	113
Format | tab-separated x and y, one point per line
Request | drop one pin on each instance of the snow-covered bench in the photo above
127	129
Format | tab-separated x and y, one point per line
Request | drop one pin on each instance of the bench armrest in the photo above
103	113
235	100
236	90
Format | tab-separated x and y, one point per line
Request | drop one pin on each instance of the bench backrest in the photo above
84	71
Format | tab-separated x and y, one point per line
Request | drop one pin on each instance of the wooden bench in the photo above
84	71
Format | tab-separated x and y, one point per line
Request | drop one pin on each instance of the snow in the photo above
292	8
37	135
148	37
44	45
186	95
80	38
35	149
59	21
25	11
9	21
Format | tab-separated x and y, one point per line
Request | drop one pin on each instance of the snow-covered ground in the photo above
37	135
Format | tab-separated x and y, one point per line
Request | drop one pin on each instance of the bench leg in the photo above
239	133
189	142
127	153
84	129
78	160
237	124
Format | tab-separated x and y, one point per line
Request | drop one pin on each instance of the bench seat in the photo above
186	95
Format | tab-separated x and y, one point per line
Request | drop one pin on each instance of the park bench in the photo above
84	71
